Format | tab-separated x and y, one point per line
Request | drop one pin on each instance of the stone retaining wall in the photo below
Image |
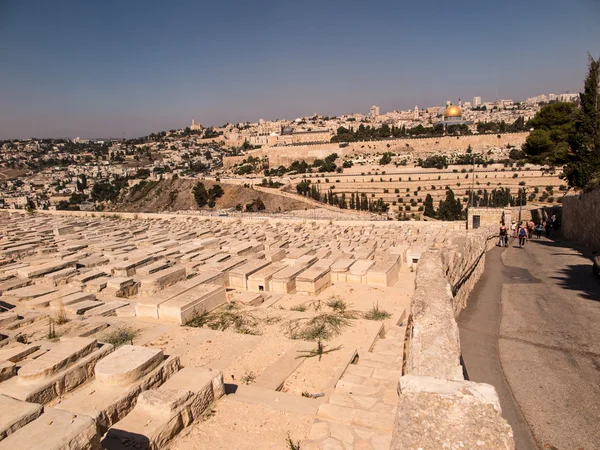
437	408
423	146
581	219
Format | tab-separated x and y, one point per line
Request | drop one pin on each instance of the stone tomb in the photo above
238	277
57	372
185	306
261	281
55	430
313	280
120	378
161	414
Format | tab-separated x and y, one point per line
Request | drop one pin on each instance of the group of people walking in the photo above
525	230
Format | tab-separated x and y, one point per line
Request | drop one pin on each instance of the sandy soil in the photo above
239	426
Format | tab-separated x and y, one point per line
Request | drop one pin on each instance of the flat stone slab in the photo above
73	298
43	269
17	352
30	292
185	306
107	309
81	307
127	364
161	279
44	300
361	267
61	356
16	414
55	430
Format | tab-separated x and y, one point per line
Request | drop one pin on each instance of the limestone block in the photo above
127	364
61	356
44	300
434	412
71	299
185	306
7	317
261	280
238	277
357	274
107	309
313	281
81	307
55	430
7	370
16	414
107	404
159	280
17	352
42	269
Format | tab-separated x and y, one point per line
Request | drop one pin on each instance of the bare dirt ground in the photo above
176	195
239	426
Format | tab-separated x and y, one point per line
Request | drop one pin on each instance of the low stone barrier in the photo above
437	408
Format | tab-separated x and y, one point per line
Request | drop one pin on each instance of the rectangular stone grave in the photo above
339	269
120	378
284	281
44	300
357	274
185	306
55	430
153	283
161	414
16	414
238	277
261	281
67	365
383	273
43	269
313	280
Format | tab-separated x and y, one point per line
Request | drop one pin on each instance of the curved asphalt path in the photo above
532	329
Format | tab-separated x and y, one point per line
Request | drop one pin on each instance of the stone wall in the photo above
419	146
437	408
581	219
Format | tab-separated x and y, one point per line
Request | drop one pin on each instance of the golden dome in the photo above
452	111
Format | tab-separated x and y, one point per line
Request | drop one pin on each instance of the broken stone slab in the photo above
159	280
109	403
127	364
60	276
182	308
161	414
46	389
63	355
55	430
7	370
434	412
16	414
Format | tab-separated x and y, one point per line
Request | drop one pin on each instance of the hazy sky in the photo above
130	67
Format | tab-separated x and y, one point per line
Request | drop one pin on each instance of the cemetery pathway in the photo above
531	330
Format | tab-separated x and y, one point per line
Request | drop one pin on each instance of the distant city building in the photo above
476	102
448	103
552	97
195	126
568	97
416	113
453	116
374	111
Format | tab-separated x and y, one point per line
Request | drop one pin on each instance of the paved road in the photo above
532	329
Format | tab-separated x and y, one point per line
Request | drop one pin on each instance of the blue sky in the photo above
127	68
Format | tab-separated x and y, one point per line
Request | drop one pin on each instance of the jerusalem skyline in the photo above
97	71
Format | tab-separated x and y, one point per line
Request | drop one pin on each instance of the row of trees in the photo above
359	202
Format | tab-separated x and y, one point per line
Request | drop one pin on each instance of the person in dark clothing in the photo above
522	235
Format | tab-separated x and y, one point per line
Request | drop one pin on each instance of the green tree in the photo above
429	210
200	194
583	171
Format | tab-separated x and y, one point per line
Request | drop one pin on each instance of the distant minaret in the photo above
416	113
459	102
